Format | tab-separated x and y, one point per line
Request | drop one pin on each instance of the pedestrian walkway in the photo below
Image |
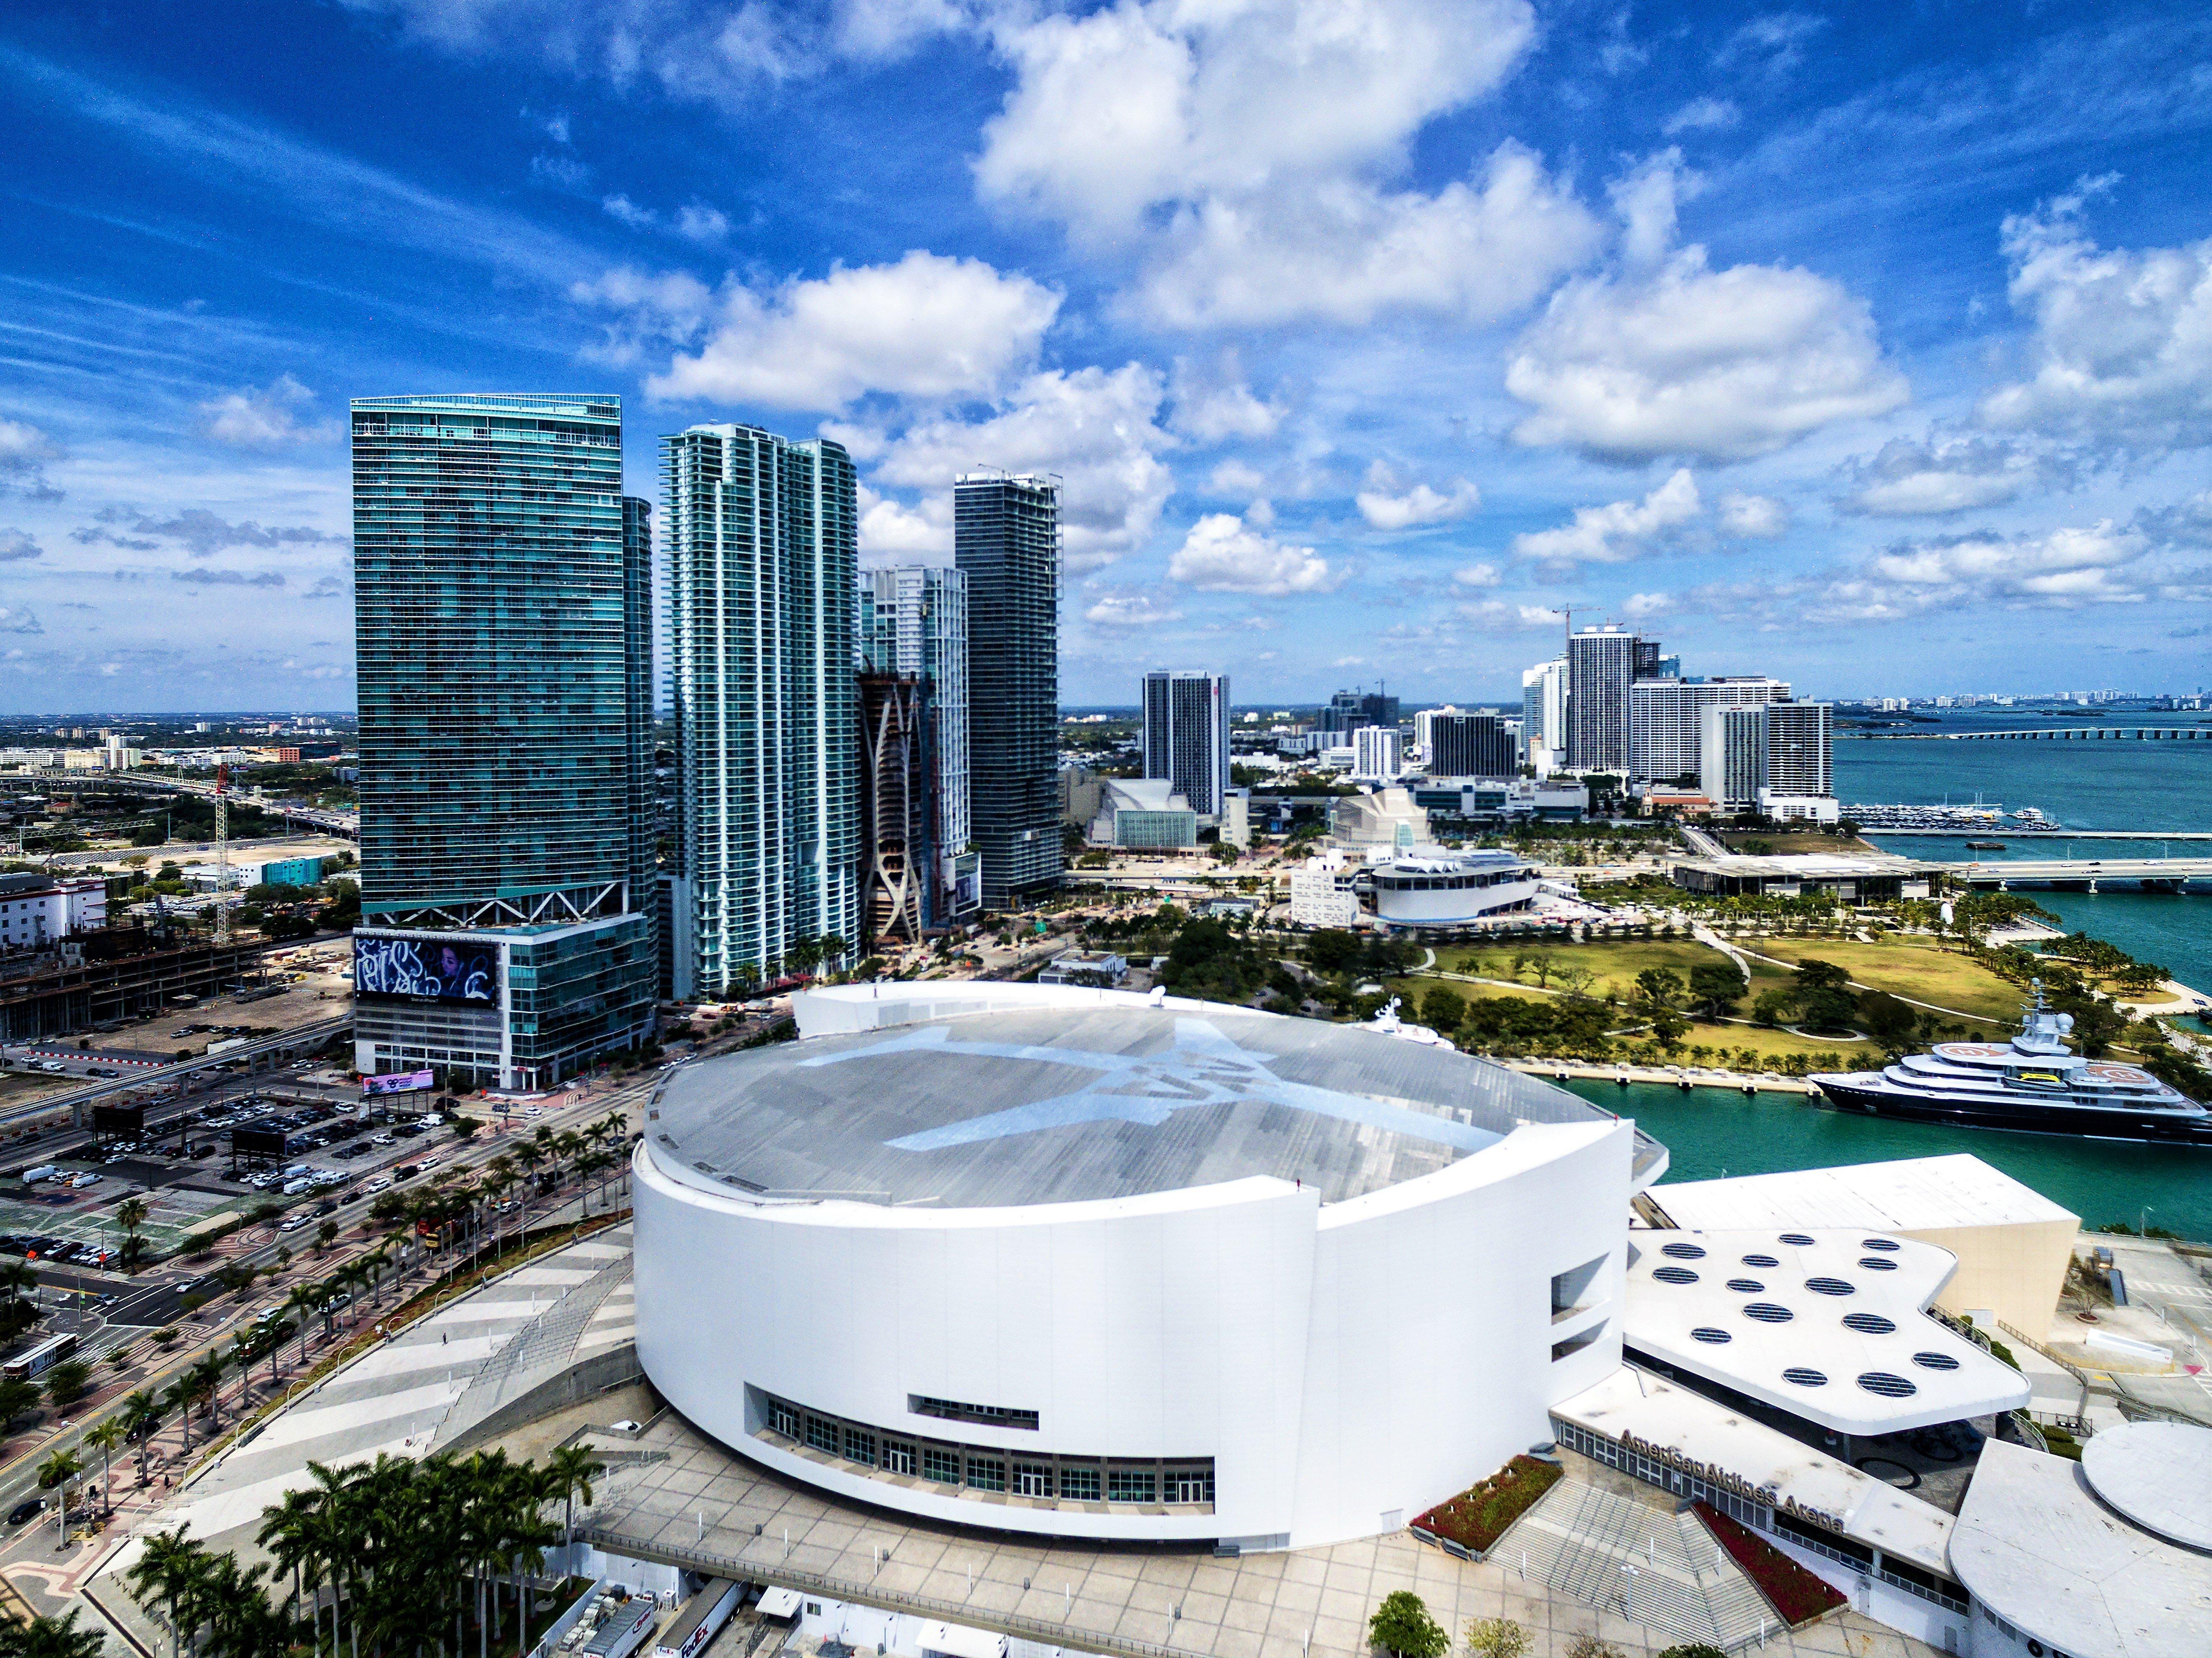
1641	1562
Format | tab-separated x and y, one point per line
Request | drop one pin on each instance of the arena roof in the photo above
1093	1097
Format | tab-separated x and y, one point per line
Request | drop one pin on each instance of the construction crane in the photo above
222	854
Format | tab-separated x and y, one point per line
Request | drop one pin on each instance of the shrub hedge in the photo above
1480	1515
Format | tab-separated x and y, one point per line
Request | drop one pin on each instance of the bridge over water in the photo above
2151	874
2046	734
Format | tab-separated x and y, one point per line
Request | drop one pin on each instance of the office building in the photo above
1424	727
1544	716
1602	667
1472	745
1187	735
914	625
1006	538
1665	721
762	565
503	639
1377	754
1347	711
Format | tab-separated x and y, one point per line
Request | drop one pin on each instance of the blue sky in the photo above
1871	347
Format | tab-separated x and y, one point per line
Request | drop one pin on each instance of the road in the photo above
300	1040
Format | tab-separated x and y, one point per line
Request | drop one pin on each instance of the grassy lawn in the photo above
1783	842
1909	968
1616	962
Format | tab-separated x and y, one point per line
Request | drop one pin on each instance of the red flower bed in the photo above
1478	1517
1797	1595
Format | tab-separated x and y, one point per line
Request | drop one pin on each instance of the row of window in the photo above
986	1468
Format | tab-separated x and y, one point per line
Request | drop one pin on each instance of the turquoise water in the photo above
2082	784
1711	1132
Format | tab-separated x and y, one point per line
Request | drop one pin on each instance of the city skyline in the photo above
1951	380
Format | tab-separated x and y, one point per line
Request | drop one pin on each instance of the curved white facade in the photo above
1331	1367
1450	890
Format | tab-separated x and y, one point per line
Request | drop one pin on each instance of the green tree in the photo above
53	1637
1717	987
1888	1020
1773	1007
1443	1008
66	1382
1401	1624
1496	1637
1659	988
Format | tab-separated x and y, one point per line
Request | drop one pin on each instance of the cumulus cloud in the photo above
1130	608
18	619
1759	518
265	416
328	586
1099	429
892	532
1344	249
1667	356
17	544
1386	504
1224	554
2186	522
2122	340
1639	605
1234	478
24	453
1477	575
1907	478
1497	616
1618	530
694	221
927	326
200	532
1212	404
1703	115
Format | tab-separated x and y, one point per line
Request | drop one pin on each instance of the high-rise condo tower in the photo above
1187	735
503	640
1005	536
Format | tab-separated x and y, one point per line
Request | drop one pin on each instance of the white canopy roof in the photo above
1829	1326
1911	1194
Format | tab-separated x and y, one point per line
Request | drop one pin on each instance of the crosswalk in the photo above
1640	1562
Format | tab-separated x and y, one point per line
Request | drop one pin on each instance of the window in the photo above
1079	1484
1033	1479
995	1416
1569	1289
897	1458
860	1446
941	1465
821	1435
1130	1486
987	1473
1190	1485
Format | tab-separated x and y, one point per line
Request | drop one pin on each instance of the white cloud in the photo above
620	208
1234	478
1666	356
1477	575
1130	608
927	326
694	221
24	453
1775	41
2121	345
1223	554
1344	250
1760	518
1387	506
1703	115
18	544
1909	479
1098	429
1213	405
1639	605
1497	616
652	312
1621	530
892	532
18	619
265	416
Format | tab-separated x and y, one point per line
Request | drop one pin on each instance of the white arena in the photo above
1075	1262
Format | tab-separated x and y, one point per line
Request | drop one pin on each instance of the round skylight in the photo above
1876	1264
1684	1251
1767	1313
1935	1361
1746	1286
1804	1378
1869	1324
1881	1246
1707	1332
1828	1286
1888	1386
1760	1261
1674	1275
1797	1240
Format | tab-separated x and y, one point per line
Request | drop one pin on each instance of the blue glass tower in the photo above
503	628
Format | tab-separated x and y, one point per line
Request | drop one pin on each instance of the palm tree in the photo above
130	1215
168	1569
104	1438
301	1301
178	1396
140	1416
51	1638
208	1384
289	1532
573	1468
55	1474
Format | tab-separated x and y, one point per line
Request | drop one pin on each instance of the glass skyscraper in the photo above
1187	735
1005	536
503	630
764	557
914	624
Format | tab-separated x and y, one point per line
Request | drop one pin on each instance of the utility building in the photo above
762	568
